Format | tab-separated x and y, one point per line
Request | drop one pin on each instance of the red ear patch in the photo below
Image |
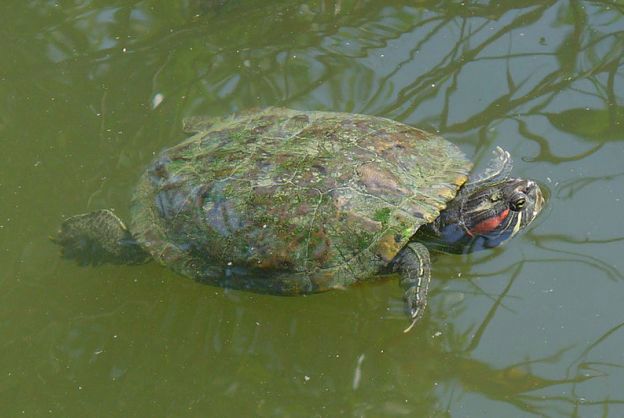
488	225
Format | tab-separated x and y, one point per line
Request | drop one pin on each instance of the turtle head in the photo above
488	210
490	216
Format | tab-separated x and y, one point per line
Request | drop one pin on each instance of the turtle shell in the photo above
298	201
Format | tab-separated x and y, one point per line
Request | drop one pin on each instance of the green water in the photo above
90	90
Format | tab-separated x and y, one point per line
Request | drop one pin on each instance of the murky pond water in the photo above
91	90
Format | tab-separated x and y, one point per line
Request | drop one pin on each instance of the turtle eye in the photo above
517	203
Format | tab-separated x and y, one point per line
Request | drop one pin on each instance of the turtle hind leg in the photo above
99	237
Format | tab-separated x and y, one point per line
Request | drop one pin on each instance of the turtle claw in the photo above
415	317
497	171
415	312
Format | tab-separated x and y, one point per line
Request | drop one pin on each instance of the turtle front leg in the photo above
414	266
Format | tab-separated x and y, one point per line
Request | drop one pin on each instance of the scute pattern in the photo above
300	201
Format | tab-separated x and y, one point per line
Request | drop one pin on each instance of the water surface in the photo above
91	90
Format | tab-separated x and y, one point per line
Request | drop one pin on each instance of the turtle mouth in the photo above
538	198
534	195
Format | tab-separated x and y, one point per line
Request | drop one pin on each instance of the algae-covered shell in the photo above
325	197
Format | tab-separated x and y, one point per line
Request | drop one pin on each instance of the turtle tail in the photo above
99	237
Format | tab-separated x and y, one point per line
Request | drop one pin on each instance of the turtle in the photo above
292	202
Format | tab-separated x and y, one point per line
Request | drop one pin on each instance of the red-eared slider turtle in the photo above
291	202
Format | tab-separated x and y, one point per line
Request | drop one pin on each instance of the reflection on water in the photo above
90	91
